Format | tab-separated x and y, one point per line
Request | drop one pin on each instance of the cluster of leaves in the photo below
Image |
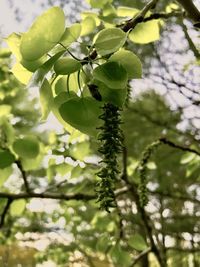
70	91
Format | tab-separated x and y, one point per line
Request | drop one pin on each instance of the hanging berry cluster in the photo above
111	138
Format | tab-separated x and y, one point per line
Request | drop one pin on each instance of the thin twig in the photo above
142	254
26	184
174	145
3	215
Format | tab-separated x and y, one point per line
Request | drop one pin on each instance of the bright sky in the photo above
8	23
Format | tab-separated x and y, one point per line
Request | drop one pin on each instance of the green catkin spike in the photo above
128	97
111	138
142	169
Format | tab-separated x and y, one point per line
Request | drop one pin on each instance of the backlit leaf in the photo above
66	66
123	11
145	32
43	35
22	74
71	34
46	99
109	41
112	74
88	25
4	174
17	207
27	147
81	113
130	62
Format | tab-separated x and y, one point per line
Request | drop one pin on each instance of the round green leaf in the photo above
71	34
60	85
43	35
145	32
130	62
4	174
112	74
13	41
5	53
123	11
27	147
32	65
109	41
6	159
88	25
17	207
81	113
115	96
66	66
98	3
61	98
22	74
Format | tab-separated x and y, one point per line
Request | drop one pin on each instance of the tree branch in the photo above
191	10
145	218
164	15
129	25
47	195
173	196
190	42
3	215
19	165
142	254
183	148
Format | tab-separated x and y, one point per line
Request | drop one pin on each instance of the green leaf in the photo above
63	168
32	66
145	32
58	101
130	62
71	34
123	11
112	74
66	66
6	159
7	130
17	207
109	41
46	99
88	25
60	85
115	96
120	257
13	41
5	53
39	76
26	147
103	243
187	157
5	174
80	150
43	35
22	74
93	15
137	242
151	165
81	113
98	3
5	110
